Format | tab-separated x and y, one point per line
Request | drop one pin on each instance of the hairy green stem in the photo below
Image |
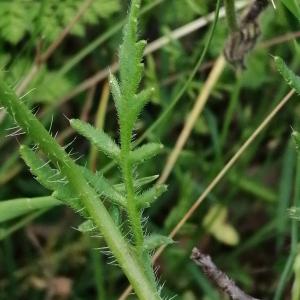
144	288
230	15
133	210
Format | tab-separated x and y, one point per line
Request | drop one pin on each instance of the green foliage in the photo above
293	6
14	20
11	209
289	76
98	138
79	188
177	71
155	240
48	18
129	103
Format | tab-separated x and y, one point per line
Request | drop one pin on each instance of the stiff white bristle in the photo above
273	3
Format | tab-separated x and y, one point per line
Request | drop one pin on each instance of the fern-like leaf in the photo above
14	21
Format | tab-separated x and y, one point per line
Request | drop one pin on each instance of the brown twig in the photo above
219	278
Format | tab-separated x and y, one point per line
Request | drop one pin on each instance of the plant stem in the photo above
144	288
133	211
230	15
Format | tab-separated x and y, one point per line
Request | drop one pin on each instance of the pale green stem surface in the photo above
131	266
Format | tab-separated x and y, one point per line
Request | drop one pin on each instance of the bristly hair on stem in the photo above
85	191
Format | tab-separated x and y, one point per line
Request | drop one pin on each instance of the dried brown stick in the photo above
219	278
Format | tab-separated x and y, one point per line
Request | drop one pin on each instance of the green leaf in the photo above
290	77
13	21
10	209
149	196
46	176
103	187
50	178
293	6
97	137
145	152
138	103
115	90
49	86
131	53
154	241
86	226
138	183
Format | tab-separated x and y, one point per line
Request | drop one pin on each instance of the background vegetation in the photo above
243	223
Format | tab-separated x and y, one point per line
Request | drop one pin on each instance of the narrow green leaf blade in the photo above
10	209
138	183
103	187
152	194
46	176
145	152
97	137
293	6
154	241
290	77
116	93
50	178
